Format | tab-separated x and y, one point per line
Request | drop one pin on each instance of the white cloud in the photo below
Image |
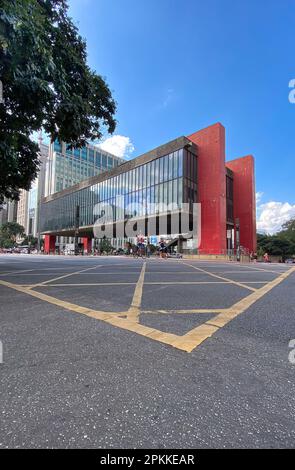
259	195
272	215
118	145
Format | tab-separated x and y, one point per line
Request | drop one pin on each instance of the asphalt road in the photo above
123	353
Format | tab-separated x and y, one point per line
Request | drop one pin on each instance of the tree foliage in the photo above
46	84
281	244
9	232
105	246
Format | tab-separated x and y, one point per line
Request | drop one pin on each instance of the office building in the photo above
66	167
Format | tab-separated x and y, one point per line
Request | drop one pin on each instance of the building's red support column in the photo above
212	187
87	243
49	244
245	200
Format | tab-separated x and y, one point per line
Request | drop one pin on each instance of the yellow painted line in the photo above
231	281
66	275
263	269
100	315
184	282
203	282
71	273
108	317
187	342
31	286
244	272
195	337
15	273
85	285
202	332
133	312
197	310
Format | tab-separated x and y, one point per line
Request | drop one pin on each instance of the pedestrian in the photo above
162	249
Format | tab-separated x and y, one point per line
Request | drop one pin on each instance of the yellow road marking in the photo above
85	285
186	342
133	312
240	284
65	275
61	303
197	310
201	333
11	273
124	283
253	268
91	284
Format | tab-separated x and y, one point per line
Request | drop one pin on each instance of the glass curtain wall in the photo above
143	191
75	165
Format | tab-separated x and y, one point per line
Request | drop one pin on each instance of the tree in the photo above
9	233
105	246
288	231
46	84
282	244
30	240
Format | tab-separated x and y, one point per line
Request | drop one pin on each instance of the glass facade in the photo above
143	191
71	166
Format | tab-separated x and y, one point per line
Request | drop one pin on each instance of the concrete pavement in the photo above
119	353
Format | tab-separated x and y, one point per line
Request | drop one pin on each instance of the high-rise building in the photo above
60	168
8	211
29	201
66	167
22	209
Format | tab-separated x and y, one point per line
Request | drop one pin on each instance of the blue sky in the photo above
175	66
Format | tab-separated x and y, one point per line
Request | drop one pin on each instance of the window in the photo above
170	192
57	146
144	176
84	153
152	172
180	192
148	174
110	163
98	159
136	178
140	177
77	153
157	171
104	161
69	151
91	155
175	193
180	163
170	166
165	169
161	170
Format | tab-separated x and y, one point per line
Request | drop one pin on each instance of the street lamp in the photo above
77	224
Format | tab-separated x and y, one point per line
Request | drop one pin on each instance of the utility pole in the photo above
77	224
238	239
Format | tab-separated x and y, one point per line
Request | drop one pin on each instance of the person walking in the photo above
162	249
